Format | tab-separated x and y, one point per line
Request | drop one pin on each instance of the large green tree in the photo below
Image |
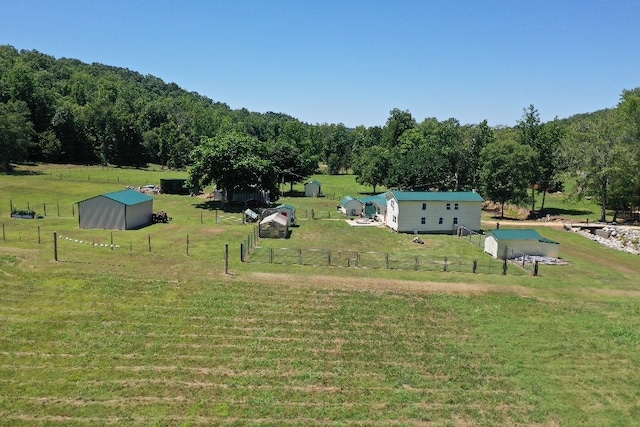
507	171
372	166
603	160
545	139
232	162
16	133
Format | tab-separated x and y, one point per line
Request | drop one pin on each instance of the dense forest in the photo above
66	111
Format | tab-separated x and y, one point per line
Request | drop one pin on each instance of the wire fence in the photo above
473	237
253	253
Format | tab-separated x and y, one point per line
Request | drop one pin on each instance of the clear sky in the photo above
353	61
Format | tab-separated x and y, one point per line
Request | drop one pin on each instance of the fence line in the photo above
370	260
473	237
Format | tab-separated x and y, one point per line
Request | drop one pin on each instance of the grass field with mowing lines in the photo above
128	336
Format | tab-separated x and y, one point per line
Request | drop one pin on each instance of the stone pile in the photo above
620	238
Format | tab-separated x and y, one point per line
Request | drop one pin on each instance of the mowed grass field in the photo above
153	332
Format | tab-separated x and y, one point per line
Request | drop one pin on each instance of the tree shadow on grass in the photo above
294	193
213	205
571	212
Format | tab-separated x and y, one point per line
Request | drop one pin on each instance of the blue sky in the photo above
352	62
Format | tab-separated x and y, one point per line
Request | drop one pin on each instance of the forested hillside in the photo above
66	111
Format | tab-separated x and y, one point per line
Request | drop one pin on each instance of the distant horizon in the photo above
354	62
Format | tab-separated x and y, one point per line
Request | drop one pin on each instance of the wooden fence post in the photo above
535	268
475	265
55	246
226	258
241	252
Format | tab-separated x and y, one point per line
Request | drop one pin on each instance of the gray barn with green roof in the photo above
120	210
514	243
433	211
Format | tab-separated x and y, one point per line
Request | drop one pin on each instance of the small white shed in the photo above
121	210
274	226
515	242
313	189
351	206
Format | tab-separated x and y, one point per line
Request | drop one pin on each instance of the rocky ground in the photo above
620	238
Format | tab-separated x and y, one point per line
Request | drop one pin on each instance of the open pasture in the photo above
163	337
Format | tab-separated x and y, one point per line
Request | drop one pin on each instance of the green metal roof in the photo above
436	196
520	234
128	197
347	199
313	181
380	199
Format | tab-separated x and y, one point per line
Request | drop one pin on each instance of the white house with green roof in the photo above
120	210
514	243
433	211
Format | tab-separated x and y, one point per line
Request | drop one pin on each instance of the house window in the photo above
448	206
440	220
455	221
424	206
423	220
455	207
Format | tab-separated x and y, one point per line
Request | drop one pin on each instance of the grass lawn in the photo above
163	337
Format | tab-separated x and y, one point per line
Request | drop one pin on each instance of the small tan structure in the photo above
274	226
313	189
514	243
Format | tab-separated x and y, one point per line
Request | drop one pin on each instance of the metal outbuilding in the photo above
120	210
514	243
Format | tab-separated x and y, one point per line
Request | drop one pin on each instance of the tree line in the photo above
66	111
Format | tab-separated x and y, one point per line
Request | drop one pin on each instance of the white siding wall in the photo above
516	248
353	207
392	214
491	246
139	214
101	212
311	189
410	216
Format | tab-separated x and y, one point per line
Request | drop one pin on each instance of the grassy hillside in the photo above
163	337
